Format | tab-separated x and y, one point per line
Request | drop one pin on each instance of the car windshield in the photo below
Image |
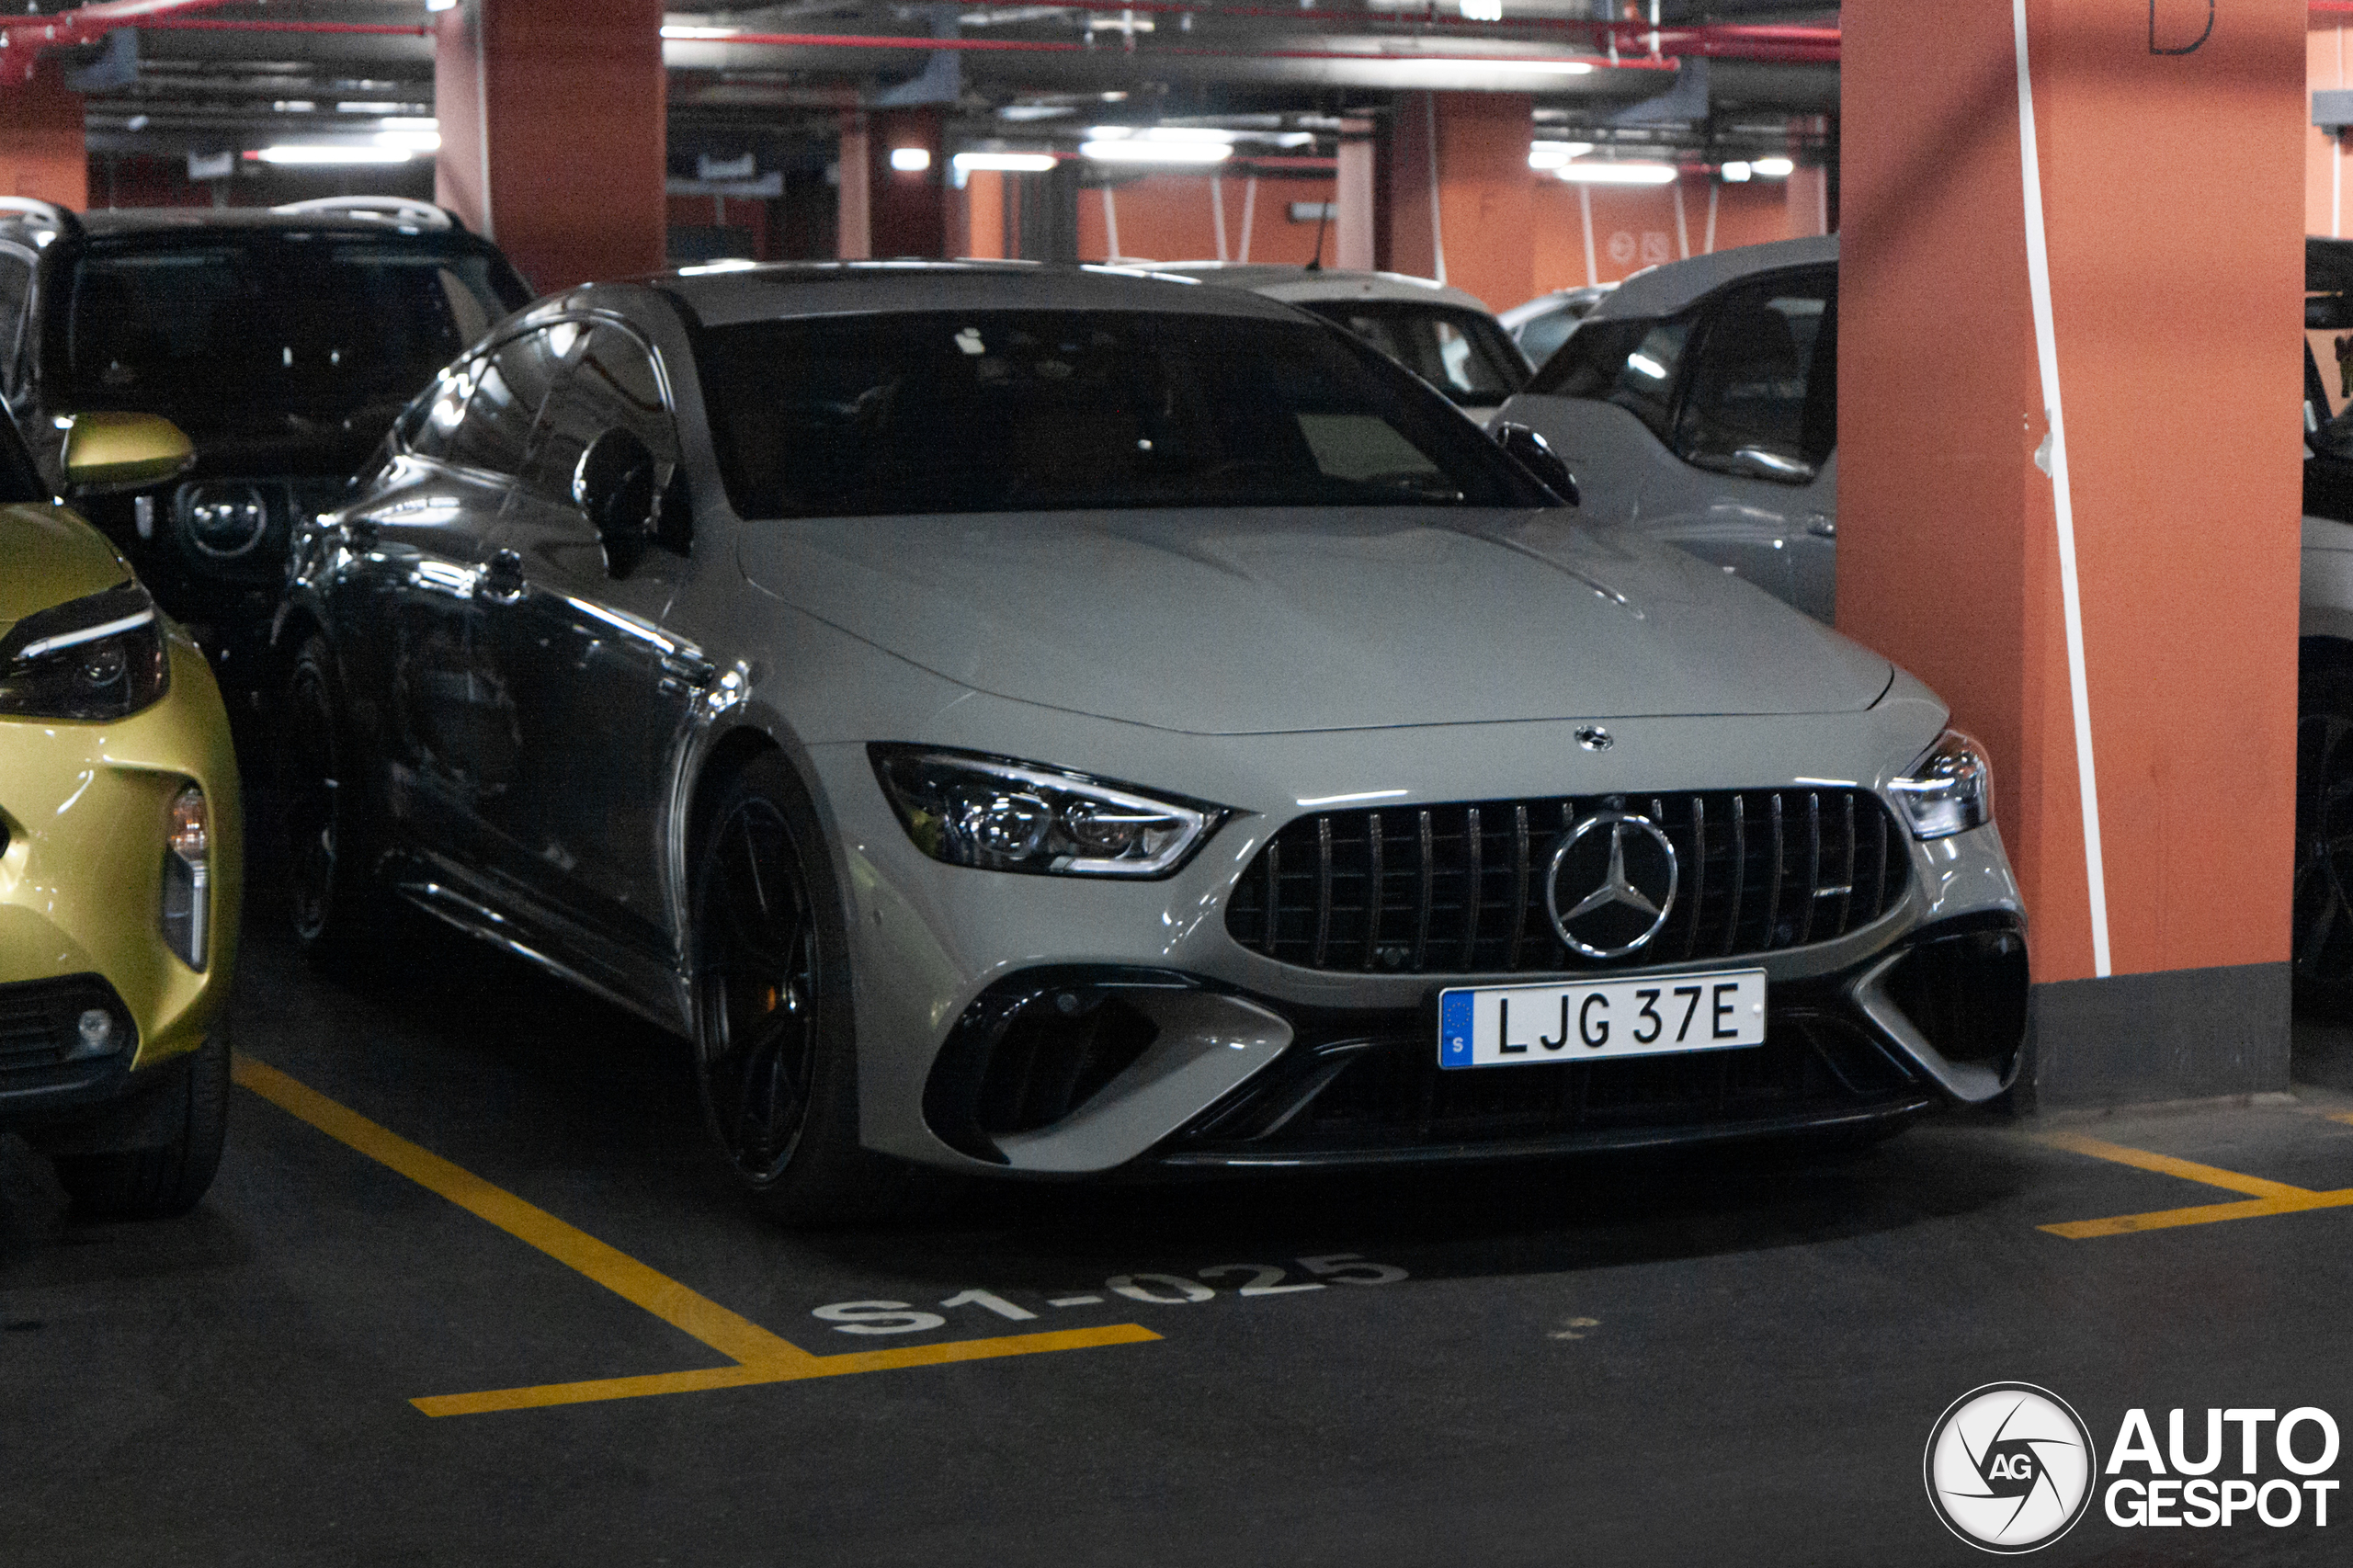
277	320
1461	353
1017	411
20	480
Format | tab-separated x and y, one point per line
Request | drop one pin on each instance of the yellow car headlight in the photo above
94	658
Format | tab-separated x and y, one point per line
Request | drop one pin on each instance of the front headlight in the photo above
99	657
1001	815
1948	789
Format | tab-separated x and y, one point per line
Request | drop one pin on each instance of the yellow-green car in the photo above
119	839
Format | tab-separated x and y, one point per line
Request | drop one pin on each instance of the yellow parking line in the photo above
2264	1196
759	1356
807	1366
2166	1165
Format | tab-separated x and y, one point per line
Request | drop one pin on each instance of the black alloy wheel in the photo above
2323	935
773	1019
759	990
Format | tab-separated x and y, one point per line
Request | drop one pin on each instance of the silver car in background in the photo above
1052	721
1442	334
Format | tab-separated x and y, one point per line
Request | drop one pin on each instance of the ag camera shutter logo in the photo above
2009	1468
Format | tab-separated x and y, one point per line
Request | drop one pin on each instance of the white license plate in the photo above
1507	1025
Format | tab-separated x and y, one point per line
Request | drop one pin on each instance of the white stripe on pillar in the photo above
1585	210
1216	212
1714	190
1437	220
1111	223
1682	229
1249	214
2046	352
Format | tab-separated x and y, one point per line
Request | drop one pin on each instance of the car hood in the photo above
1247	622
52	556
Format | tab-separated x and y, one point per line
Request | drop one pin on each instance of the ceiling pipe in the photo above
24	39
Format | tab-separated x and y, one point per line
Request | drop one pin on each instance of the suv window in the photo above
1760	396
612	384
15	283
284	319
511	385
1632	363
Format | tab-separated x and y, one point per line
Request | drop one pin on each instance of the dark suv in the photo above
281	341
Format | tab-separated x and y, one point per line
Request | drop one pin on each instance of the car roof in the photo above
727	294
1300	284
1559	299
168	223
1662	291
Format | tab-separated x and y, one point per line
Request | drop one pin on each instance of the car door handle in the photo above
502	579
1822	526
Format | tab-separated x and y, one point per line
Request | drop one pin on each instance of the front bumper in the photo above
1048	1067
939	952
83	809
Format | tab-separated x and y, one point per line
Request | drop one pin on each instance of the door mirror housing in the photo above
120	451
614	485
1535	454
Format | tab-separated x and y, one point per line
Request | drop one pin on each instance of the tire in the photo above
775	1050
2322	948
152	1184
340	917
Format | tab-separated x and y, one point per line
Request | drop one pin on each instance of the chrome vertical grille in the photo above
1459	888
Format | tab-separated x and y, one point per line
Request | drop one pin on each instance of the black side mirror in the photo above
1535	454
614	485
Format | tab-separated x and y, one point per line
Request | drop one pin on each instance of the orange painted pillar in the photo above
552	132
2069	486
42	150
1462	197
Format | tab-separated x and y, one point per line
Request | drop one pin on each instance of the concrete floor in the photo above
1730	1359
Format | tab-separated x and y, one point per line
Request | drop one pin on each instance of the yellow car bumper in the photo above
83	808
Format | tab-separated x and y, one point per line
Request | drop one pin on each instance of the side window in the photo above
15	283
507	392
425	426
1762	394
1630	363
612	383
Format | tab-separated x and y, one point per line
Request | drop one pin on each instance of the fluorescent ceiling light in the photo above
1775	168
346	155
441	5
1616	173
1482	10
1007	163
681	30
1735	172
1451	66
911	160
1552	154
409	140
1143	150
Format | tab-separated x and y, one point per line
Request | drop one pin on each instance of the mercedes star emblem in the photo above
1593	737
1621	872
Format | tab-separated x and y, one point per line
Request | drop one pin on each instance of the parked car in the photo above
1048	722
119	839
281	341
1544	323
1702	399
1442	334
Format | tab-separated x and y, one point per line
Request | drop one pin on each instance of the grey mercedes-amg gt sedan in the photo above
1060	721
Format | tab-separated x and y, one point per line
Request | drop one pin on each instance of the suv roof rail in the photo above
61	218
378	208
